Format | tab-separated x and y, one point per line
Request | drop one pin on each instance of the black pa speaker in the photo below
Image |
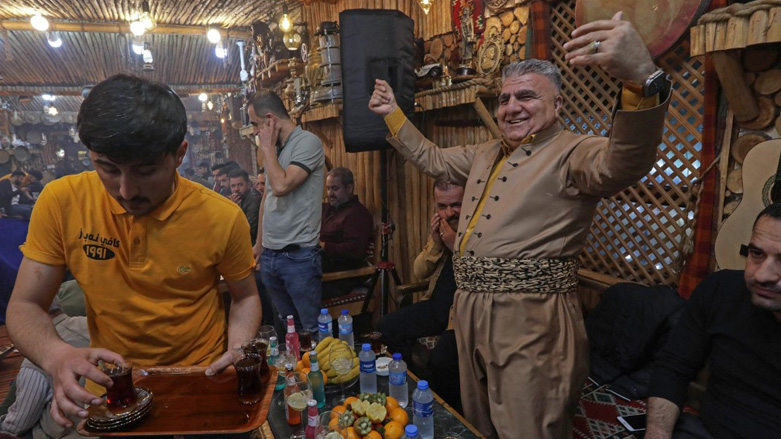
375	43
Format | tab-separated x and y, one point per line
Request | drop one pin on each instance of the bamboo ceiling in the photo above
28	64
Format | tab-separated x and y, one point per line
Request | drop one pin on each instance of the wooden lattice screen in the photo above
637	235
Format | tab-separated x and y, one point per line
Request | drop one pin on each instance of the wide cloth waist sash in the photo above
508	275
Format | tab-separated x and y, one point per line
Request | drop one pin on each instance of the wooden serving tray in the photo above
188	402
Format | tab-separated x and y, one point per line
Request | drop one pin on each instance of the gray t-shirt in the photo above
295	217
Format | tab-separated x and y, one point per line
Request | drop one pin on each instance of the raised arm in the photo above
281	180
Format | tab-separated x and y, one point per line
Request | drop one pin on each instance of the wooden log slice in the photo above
730	207
522	37
743	145
735	181
759	58
506	34
515	26
750	77
508	49
768	82
738	93
507	18
522	14
448	39
447	53
436	48
767	114
493	23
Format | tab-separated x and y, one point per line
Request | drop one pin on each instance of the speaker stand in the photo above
386	270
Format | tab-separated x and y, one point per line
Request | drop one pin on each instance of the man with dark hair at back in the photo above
190	174
223	178
243	194
260	184
13	194
215	170
203	172
287	246
34	185
131	232
733	321
432	316
346	229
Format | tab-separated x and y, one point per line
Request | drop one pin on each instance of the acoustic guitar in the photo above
761	186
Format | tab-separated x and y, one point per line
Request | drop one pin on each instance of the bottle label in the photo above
398	378
314	366
313	421
368	366
326	327
423	409
345	328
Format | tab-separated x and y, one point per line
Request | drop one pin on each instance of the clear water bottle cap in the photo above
323	311
290	317
311	403
366	347
411	430
397	356
422	385
345	312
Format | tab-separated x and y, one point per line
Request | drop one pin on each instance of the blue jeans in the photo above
293	280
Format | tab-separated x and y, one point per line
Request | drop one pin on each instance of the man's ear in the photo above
180	152
558	101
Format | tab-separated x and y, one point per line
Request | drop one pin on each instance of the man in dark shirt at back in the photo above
733	319
243	194
346	229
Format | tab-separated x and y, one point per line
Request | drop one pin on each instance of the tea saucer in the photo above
102	415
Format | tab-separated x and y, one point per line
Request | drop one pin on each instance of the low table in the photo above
447	422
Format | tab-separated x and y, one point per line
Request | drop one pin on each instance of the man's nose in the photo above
128	189
769	271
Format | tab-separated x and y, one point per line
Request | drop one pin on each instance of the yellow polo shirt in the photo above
150	282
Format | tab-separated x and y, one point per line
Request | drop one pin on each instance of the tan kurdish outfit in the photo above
522	345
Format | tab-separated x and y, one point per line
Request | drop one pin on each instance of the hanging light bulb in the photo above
210	105
137	28
60	153
284	22
292	40
52	111
203	97
213	35
54	39
138	45
146	16
39	23
48	97
426	5
220	51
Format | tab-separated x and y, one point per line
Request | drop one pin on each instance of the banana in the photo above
323	346
353	373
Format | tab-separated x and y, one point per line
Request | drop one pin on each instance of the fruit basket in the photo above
367	416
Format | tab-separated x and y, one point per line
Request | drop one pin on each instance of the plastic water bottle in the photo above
368	369
273	358
423	410
316	379
397	380
346	328
291	338
325	325
410	432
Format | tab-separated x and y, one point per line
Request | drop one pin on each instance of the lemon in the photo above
359	407
376	412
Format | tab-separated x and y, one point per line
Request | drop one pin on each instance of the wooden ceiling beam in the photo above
66	90
123	28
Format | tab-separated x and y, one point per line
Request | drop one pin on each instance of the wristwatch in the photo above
653	85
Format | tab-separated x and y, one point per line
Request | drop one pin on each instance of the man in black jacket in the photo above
733	319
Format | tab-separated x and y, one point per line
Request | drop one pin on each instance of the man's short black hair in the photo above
773	210
239	173
126	118
37	174
203	165
189	172
266	101
262	170
218	166
17	173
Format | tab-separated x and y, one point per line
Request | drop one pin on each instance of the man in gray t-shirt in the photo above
289	230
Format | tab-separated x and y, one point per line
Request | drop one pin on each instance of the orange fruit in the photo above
373	435
325	379
333	424
391	403
350	433
393	430
349	400
338	410
305	360
399	415
299	366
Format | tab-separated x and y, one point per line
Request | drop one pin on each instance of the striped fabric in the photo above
698	263
32	394
9	366
540	42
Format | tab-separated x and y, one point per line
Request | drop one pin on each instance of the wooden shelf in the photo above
331	110
457	94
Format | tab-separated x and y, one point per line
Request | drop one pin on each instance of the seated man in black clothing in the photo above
733	319
431	316
243	194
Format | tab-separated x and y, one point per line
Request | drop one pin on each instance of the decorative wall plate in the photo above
491	53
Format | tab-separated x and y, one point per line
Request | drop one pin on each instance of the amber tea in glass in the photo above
122	393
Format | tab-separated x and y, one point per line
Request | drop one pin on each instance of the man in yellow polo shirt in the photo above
529	199
147	247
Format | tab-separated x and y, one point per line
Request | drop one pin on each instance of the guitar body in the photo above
759	175
660	23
